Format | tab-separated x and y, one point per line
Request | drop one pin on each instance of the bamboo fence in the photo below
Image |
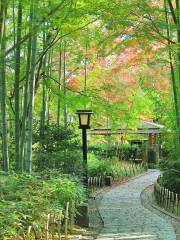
96	182
56	226
167	199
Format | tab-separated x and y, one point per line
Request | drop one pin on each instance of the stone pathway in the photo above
124	216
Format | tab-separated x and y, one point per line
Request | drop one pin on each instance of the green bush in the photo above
122	151
171	174
114	168
151	155
171	181
26	199
58	148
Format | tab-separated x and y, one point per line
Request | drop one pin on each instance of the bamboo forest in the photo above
89	119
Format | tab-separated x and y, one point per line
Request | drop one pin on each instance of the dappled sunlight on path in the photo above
124	216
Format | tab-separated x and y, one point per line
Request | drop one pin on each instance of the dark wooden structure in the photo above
150	136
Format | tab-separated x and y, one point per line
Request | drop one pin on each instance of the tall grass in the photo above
113	167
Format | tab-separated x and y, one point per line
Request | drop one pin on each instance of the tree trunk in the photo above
175	66
44	97
178	48
49	91
25	107
64	88
31	104
17	90
3	90
48	108
59	97
85	76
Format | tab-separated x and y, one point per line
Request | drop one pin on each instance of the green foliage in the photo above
57	148
171	181
171	174
120	151
26	199
151	155
170	164
114	168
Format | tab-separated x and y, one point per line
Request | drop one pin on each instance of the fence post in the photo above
29	232
173	202
176	203
47	227
71	216
161	194
59	225
66	220
166	198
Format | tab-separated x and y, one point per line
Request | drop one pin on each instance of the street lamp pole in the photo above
85	167
84	124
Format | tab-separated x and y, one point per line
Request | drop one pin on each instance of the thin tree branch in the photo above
36	27
172	11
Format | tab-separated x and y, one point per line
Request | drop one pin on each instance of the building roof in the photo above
143	127
149	125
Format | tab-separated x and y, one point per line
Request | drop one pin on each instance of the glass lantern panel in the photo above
84	119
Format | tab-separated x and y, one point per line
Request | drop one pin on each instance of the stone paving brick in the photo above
124	216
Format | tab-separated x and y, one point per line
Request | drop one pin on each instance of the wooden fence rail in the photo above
167	199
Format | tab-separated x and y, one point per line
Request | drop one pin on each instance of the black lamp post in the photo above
84	124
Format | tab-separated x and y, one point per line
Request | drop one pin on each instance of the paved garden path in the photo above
124	216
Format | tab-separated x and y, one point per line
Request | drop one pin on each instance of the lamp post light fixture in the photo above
84	124
84	118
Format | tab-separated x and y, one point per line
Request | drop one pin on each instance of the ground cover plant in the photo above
114	148
119	58
170	174
26	200
58	149
113	167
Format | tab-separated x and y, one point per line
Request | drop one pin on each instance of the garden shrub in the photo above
171	174
122	151
26	199
171	181
59	148
151	155
114	168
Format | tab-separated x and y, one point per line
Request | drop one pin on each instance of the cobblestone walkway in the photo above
124	216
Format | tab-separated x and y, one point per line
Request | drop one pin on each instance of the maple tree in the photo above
119	58
107	55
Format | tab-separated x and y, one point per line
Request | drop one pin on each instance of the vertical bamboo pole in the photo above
3	85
